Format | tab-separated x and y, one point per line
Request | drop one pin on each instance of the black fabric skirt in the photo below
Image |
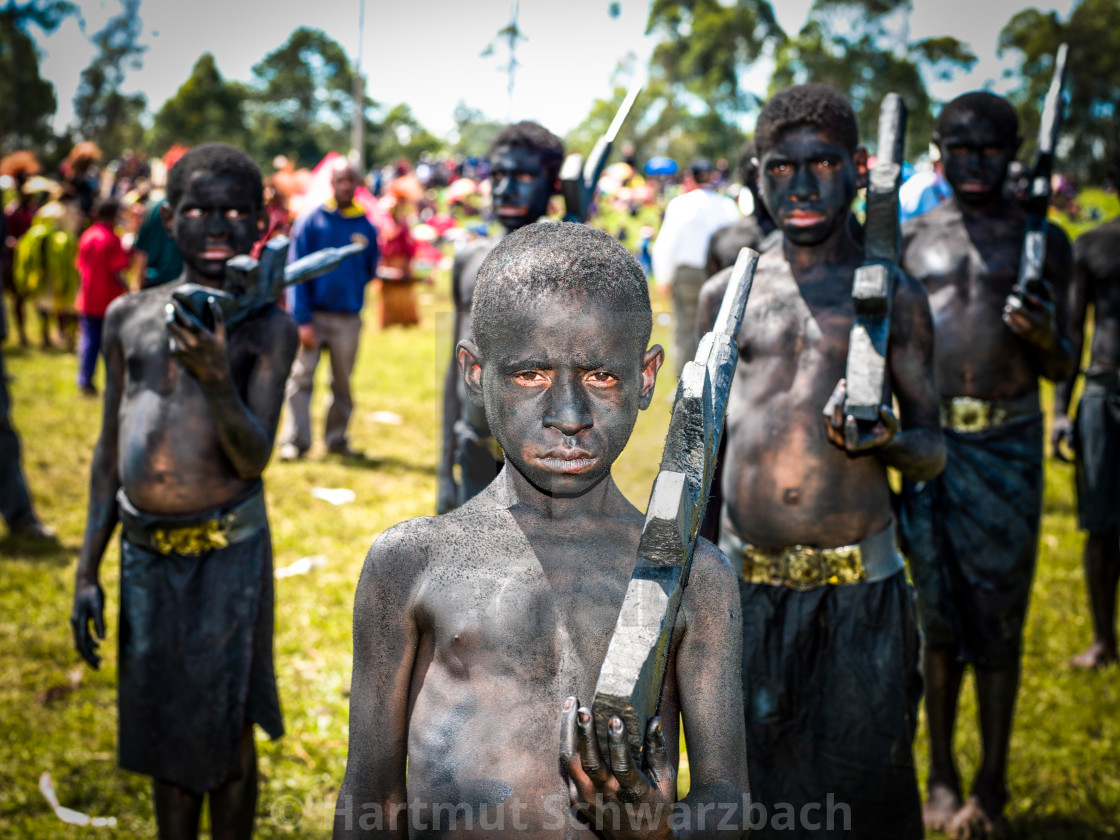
1097	441
831	688
195	660
971	536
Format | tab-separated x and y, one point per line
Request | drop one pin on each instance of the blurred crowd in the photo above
426	211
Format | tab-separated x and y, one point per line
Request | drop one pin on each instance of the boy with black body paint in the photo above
475	632
972	534
1095	435
525	161
830	652
188	426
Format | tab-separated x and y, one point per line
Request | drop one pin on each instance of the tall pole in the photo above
513	33
358	122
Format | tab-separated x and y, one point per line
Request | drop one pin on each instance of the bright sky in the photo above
427	54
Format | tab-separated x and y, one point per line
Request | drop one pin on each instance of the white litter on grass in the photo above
302	566
390	417
334	495
69	815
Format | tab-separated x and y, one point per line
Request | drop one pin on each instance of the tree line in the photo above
300	102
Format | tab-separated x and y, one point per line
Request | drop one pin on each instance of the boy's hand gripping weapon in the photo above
1032	260
633	672
252	285
873	284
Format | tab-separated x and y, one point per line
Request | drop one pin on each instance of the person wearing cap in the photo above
680	252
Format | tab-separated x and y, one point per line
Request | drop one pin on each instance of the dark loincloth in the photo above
971	535
1097	442
195	657
831	687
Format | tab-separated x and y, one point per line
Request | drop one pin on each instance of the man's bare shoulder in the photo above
909	293
407	546
712	582
711	570
1099	250
715	287
142	305
942	216
472	254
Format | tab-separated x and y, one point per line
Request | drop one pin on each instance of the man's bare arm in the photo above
708	664
246	427
452	405
1079	295
703	684
385	645
711	297
104	481
918	449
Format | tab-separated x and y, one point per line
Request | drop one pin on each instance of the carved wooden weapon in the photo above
580	179
252	285
1033	257
633	671
873	284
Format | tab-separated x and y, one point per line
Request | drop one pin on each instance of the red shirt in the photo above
100	259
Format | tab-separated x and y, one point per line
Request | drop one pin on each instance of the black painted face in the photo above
808	181
563	389
976	158
218	217
521	186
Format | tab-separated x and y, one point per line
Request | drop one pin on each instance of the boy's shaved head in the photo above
574	260
534	137
981	103
818	106
219	158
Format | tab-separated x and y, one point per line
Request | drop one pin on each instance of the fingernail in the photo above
584	716
571	701
616	724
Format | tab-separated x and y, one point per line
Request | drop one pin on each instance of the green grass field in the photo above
60	717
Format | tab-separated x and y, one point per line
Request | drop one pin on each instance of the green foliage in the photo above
1092	120
665	120
104	114
205	108
474	132
849	45
304	104
27	101
399	135
706	45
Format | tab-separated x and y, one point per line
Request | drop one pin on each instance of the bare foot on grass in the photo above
974	822
940	807
1097	656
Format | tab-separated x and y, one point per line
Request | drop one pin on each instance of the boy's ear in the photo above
470	364
859	160
652	360
262	220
